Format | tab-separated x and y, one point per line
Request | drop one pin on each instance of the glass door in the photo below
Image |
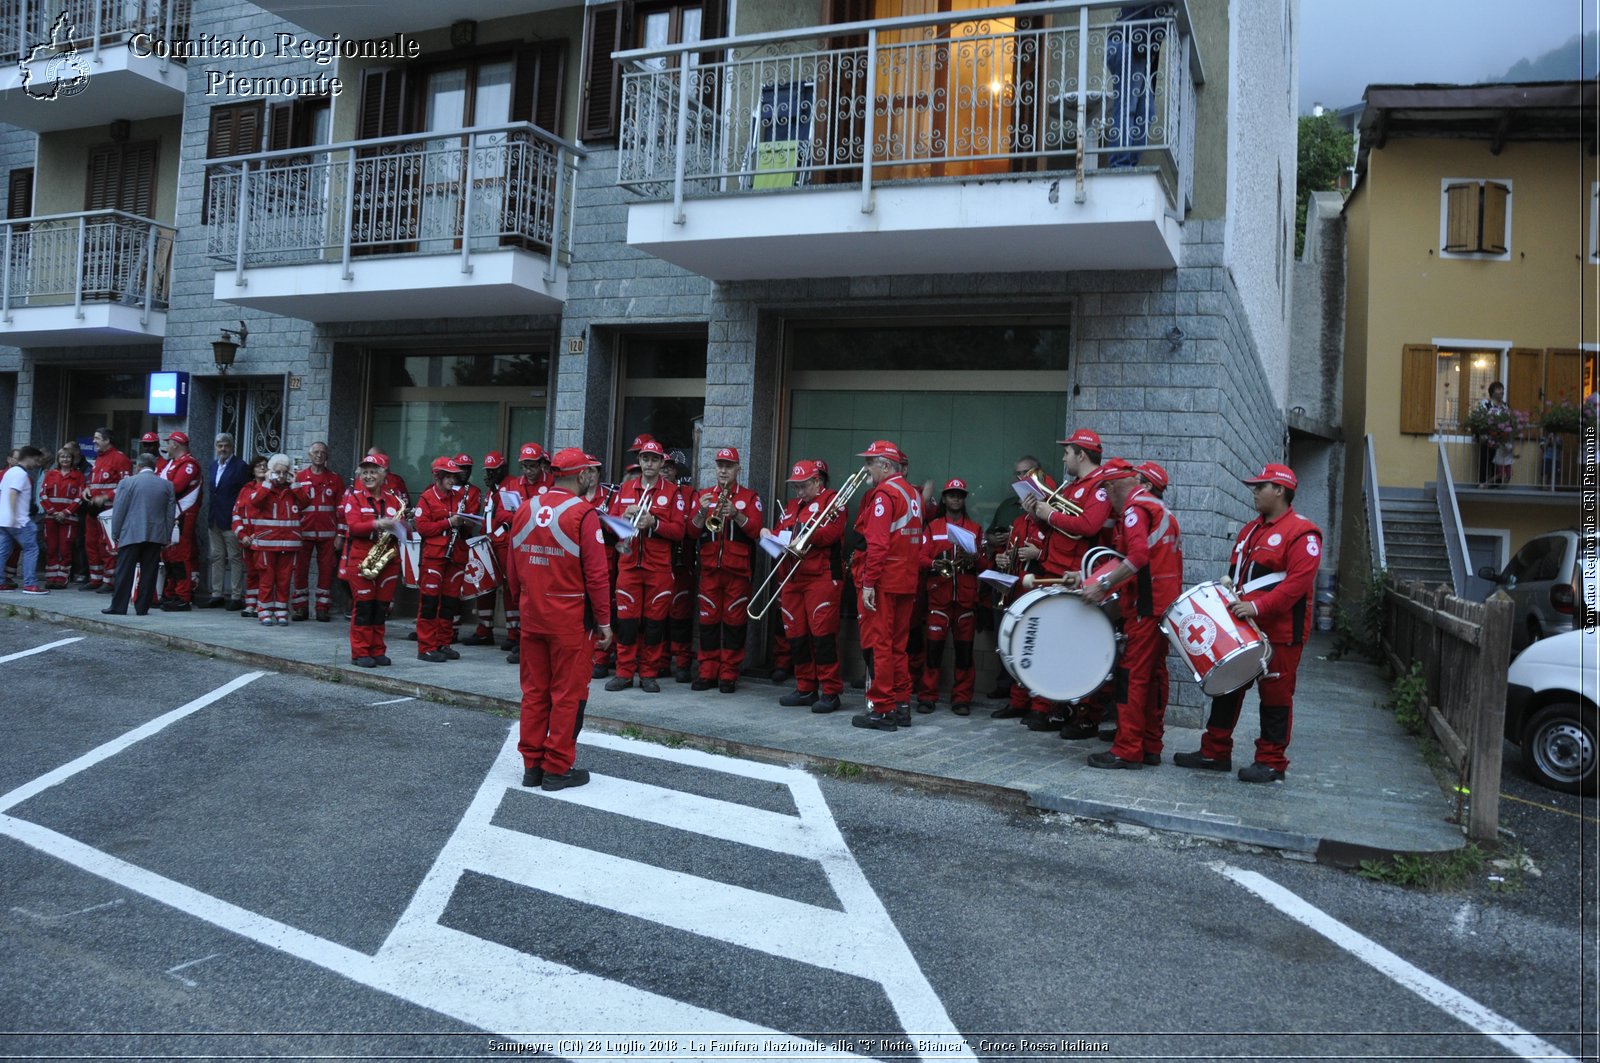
456	98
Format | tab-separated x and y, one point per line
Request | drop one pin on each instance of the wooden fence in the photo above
1464	648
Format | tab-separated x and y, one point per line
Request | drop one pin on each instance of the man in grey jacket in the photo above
142	518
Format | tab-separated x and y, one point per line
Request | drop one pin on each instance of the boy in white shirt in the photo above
17	527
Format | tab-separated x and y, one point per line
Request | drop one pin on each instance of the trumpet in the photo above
714	519
761	601
641	509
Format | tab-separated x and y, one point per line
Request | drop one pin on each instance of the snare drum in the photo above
482	574
1056	644
411	560
104	517
1224	652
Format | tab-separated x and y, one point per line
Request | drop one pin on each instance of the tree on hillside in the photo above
1325	152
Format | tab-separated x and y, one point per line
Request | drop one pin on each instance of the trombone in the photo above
762	599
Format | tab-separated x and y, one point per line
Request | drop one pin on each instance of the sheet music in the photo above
509	501
622	529
1026	488
964	540
774	545
999	579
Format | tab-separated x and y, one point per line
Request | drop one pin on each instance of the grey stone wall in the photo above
1316	364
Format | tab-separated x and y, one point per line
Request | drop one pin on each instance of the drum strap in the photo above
1261	583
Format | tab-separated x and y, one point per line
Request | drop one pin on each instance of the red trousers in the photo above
438	600
181	558
102	558
252	576
272	588
723	622
885	631
680	617
810	607
370	610
555	678
946	620
58	538
1142	713
301	596
1277	712
644	597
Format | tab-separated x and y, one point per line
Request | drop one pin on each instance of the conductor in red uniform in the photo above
557	571
1274	570
735	511
891	523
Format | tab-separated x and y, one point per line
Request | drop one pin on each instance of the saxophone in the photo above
381	553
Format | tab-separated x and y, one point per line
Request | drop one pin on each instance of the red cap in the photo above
956	484
1116	469
728	454
1084	438
149	437
592	461
493	460
531	452
1275	474
178	437
569	460
463	460
804	470
650	446
641	439
445	465
1152	472
882	448
380	460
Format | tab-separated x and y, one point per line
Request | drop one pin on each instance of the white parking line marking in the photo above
67	915
173	971
41	649
121	742
391	701
1498	1028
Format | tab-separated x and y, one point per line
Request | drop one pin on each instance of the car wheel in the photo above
1558	748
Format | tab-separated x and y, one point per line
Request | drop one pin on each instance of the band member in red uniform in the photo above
244	532
891	524
370	511
444	520
1153	476
535	466
110	466
951	577
644	570
1274	571
60	494
727	518
1023	555
685	553
275	537
811	599
497	526
558	571
320	491
1152	570
181	557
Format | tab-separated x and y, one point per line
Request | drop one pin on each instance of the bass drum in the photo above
1056	644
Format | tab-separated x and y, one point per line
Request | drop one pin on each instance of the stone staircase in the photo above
1413	536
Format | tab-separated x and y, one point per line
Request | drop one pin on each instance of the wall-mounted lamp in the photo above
1175	337
227	346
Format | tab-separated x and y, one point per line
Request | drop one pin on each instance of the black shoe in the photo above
364	662
826	703
727	686
509	643
411	636
780	677
1259	772
875	721
1075	731
599	671
619	682
433	657
234	605
648	684
532	776
476	639
454	655
1107	760
1152	760
383	660
115	612
211	603
902	714
798	697
682	675
105	588
1197	760
514	657
175	607
962	708
924	707
1042	721
1108	736
575	777
1007	712
702	684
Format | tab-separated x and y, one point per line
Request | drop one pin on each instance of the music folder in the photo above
964	540
774	544
622	529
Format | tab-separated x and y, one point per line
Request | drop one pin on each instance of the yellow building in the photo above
1471	260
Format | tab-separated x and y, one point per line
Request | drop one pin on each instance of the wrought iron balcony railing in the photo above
1059	85
104	256
1540	461
423	194
89	24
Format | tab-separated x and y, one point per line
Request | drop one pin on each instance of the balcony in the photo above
91	279
468	223
1043	137
77	63
357	19
1548	467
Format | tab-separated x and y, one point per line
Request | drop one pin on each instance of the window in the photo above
663	390
1475	219
1441	383
19	193
122	177
622	24
235	129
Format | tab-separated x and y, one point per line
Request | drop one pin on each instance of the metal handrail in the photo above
403	138
1455	536
1369	489
32	21
89	256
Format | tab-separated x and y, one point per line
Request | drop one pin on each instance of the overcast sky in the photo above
1346	45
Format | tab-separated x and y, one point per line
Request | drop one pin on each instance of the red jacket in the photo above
60	491
936	543
891	523
1076	536
110	466
1149	539
651	549
242	524
556	566
823	557
274	514
320	495
359	514
730	548
434	510
1290	545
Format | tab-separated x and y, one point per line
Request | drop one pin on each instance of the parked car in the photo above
1546	582
1551	706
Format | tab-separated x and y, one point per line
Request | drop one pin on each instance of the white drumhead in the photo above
1056	644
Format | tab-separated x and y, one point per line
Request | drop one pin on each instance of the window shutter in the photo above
1492	240
601	78
540	79
105	174
280	127
1524	377
713	24
19	194
122	177
1418	365
1563	369
383	103
1461	218
235	129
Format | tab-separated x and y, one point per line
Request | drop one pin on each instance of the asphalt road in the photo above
294	869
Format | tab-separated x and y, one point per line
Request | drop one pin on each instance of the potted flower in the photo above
1498	426
1562	415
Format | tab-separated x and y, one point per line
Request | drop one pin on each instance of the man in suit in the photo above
224	479
142	518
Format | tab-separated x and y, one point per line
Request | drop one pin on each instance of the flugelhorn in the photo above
713	518
795	549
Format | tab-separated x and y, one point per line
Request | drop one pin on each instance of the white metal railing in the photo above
89	24
1369	492
92	256
1548	462
949	94
421	194
1455	536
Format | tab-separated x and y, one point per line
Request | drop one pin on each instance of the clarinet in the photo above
455	531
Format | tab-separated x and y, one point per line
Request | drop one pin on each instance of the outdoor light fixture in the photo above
227	346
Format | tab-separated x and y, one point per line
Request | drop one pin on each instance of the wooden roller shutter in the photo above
601	78
1418	366
1461	218
1492	229
1524	379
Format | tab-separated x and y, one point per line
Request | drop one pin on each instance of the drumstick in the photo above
1031	581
